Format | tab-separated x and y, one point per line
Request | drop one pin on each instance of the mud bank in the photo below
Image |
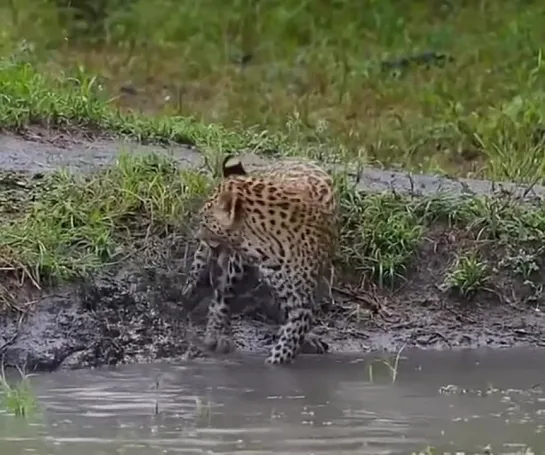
134	314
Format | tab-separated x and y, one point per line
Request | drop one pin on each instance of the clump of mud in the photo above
127	315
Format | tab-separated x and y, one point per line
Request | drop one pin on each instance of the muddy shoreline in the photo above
134	314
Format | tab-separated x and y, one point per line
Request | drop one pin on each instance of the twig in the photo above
504	300
370	303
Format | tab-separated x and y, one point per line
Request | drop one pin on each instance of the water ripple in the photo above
323	406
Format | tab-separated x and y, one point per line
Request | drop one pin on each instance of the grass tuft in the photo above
379	234
468	275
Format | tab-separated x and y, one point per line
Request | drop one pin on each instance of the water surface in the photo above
463	401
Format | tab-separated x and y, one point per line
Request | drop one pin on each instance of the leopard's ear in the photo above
232	166
229	210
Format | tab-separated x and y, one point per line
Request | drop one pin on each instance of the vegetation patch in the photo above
381	233
453	87
378	234
78	223
468	274
78	103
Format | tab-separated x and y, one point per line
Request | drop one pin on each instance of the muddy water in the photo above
462	400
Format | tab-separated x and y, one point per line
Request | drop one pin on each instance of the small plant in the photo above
523	263
392	365
468	275
18	399
379	233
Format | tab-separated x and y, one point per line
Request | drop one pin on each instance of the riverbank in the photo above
96	205
96	239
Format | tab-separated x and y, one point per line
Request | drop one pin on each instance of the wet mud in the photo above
134	314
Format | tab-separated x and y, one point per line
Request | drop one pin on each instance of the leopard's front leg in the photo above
229	271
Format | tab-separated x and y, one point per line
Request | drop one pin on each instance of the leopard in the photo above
282	219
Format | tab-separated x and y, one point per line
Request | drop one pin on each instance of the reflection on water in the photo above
323	404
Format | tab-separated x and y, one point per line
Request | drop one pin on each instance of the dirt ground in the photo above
135	314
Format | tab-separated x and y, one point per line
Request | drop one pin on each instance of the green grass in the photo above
468	275
378	234
80	223
314	78
381	232
17	398
78	102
